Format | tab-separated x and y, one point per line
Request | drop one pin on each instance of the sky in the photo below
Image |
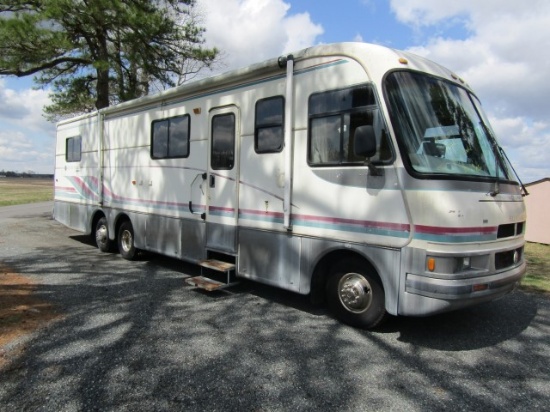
500	47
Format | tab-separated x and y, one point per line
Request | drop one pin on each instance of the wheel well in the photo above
322	269
119	221
97	215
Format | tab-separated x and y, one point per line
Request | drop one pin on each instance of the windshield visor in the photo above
439	129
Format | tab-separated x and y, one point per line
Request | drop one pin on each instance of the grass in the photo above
538	268
18	191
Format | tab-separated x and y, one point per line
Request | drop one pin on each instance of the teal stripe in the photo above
454	238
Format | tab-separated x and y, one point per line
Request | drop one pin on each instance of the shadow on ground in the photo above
135	338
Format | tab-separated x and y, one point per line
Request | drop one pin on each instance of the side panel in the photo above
75	216
193	240
288	261
163	234
386	262
76	182
272	258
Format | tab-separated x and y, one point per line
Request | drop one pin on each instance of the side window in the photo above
170	137
73	149
334	117
223	142
269	125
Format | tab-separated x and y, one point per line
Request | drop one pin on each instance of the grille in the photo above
510	229
506	259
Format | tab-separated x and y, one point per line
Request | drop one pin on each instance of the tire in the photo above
125	239
355	294
101	235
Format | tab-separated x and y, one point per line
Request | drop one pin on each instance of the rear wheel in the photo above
355	294
126	245
102	236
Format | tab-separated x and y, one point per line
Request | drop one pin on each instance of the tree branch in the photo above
44	66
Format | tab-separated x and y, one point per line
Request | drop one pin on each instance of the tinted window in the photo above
223	142
170	138
269	127
334	117
73	149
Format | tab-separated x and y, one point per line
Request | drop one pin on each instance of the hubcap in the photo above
101	235
355	292
126	240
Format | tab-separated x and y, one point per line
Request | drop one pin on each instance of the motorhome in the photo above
363	176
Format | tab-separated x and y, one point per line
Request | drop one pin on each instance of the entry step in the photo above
209	284
217	265
205	283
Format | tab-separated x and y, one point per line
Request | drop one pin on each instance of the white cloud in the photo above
19	152
300	32
358	38
26	138
251	31
24	107
504	58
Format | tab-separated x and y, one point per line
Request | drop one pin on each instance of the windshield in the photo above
441	129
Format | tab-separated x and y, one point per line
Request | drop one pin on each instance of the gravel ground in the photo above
135	338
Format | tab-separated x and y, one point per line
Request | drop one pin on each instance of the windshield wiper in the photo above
495	147
499	153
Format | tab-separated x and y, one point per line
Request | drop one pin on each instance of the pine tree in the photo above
94	53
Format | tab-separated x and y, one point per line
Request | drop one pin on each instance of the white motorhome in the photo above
351	172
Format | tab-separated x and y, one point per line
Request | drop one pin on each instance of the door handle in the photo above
212	181
203	215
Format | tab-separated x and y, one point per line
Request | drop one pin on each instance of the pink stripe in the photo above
260	213
83	186
454	230
65	188
224	209
384	225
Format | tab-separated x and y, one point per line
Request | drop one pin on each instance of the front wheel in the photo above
355	294
126	245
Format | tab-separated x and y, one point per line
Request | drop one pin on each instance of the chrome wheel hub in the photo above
101	235
126	240
355	292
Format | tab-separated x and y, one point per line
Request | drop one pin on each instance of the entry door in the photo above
223	178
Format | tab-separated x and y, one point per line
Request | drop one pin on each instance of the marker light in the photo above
431	264
479	287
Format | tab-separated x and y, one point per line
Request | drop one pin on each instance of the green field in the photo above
21	190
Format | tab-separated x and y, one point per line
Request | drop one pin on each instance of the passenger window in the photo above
170	137
73	149
223	142
333	118
269	125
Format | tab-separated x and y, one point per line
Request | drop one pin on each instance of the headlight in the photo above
456	264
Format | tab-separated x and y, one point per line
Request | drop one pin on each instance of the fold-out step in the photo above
208	284
217	265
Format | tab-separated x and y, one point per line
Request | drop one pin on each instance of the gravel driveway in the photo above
135	338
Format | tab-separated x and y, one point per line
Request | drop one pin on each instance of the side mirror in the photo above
364	144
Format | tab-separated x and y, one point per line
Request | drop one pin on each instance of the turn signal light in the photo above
480	287
431	264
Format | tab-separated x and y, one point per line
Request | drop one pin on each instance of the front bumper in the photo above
424	295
